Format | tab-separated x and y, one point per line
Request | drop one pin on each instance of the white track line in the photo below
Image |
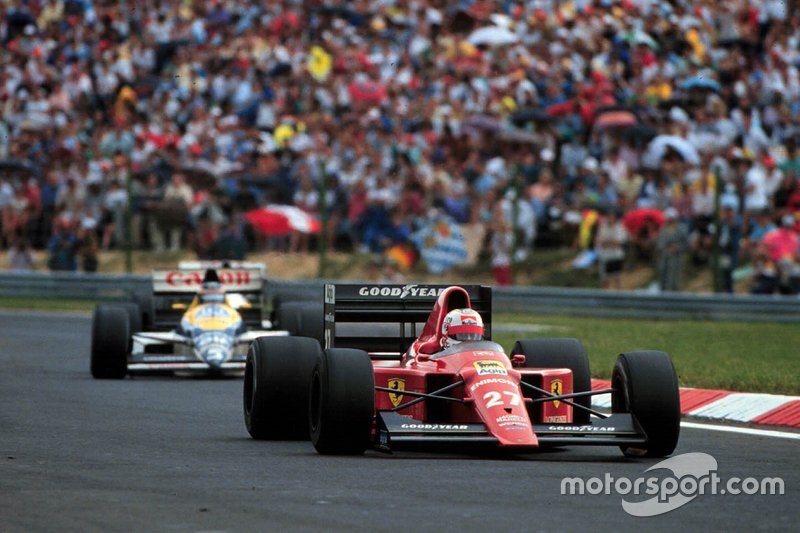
745	431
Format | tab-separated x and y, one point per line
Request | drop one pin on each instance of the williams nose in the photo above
214	357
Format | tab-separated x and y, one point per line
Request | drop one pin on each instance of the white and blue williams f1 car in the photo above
199	319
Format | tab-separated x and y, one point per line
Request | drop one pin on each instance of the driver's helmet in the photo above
211	292
461	325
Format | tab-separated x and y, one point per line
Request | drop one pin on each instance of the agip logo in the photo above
486	368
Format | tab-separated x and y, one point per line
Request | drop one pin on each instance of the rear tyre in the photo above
276	382
146	305
286	295
132	310
647	388
561	353
302	319
110	341
342	403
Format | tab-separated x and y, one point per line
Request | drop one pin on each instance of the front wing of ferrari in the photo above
396	432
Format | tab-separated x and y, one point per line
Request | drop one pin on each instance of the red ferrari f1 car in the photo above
448	385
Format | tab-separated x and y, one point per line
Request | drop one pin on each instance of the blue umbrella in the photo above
701	83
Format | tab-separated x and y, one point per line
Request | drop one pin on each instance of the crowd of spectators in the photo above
376	115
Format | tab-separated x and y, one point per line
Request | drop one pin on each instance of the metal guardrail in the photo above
662	306
68	285
539	300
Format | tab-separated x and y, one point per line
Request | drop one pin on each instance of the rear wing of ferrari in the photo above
245	281
406	306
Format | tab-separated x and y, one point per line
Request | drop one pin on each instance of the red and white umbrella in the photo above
616	118
276	219
367	91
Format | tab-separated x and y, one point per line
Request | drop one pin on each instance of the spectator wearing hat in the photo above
671	244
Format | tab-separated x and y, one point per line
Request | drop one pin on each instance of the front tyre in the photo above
342	403
110	341
276	381
647	387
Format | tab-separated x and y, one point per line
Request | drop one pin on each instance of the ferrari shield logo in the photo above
398	385
556	388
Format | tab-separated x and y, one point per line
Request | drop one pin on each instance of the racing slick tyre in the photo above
134	313
286	295
561	353
146	305
647	387
302	319
276	381
110	341
342	403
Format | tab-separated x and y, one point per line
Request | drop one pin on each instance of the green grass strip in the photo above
736	356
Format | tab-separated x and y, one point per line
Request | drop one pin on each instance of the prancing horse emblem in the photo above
398	385
555	388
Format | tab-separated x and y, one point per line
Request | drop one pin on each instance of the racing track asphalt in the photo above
165	454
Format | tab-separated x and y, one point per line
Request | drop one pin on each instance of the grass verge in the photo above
734	356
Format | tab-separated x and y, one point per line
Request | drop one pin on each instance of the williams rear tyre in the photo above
561	353
342	404
134	312
110	341
147	307
647	387
276	383
302	319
